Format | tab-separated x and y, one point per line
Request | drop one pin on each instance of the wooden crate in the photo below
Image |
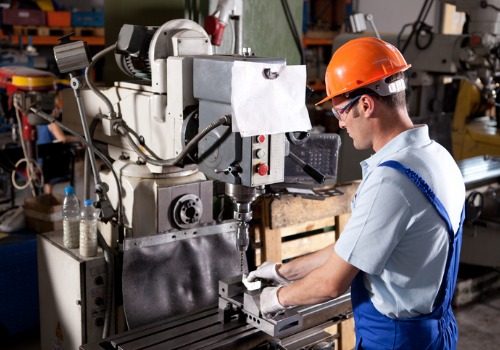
291	226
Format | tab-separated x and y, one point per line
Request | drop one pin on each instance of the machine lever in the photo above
317	175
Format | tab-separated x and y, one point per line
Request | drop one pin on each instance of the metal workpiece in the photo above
231	287
236	301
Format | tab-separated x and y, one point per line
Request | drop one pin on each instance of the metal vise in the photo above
236	300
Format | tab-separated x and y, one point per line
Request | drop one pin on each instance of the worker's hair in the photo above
396	100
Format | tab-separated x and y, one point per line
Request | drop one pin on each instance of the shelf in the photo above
53	40
316	41
316	84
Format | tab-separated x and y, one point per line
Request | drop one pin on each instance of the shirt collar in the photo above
417	136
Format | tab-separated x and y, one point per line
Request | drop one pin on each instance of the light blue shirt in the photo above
394	234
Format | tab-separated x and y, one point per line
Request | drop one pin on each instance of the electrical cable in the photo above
90	83
232	45
109	295
96	151
416	25
400	34
424	28
30	173
138	138
32	163
485	4
427	31
123	131
293	28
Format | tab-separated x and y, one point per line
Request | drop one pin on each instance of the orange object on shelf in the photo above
52	40
59	18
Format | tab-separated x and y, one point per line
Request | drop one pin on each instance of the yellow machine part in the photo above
473	137
33	82
29	78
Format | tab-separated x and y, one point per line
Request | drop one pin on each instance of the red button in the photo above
261	138
262	169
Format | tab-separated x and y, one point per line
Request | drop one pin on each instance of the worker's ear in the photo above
367	106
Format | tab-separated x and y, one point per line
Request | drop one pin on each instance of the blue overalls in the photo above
436	330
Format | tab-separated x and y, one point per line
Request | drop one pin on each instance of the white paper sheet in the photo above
268	106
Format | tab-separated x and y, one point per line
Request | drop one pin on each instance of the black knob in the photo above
99	322
99	280
99	301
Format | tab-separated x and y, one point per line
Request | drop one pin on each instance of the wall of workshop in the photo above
266	30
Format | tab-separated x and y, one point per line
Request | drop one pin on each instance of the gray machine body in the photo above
225	155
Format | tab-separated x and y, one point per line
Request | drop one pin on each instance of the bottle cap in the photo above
89	202
69	190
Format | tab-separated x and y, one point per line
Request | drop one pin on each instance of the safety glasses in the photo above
340	113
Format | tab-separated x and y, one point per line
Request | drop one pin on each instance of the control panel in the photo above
95	296
268	159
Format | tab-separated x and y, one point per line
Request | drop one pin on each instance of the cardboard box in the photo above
23	17
44	213
59	18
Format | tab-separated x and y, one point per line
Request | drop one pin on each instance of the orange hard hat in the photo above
361	62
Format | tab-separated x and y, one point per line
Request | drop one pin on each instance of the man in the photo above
399	251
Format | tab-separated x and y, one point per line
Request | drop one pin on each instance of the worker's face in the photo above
350	113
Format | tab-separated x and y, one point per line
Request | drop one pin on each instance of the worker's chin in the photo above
360	146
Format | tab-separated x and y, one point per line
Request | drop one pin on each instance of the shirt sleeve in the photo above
380	216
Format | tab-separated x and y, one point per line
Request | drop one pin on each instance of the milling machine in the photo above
191	127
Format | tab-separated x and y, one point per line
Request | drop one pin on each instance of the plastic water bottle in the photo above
71	219
88	229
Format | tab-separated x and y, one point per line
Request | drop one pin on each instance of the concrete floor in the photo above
478	324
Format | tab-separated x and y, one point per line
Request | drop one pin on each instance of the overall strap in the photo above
426	190
448	284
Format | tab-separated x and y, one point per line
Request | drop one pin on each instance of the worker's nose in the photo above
342	124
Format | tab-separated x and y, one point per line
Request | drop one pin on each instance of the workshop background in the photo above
453	82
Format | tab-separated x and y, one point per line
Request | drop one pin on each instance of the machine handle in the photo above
314	173
317	175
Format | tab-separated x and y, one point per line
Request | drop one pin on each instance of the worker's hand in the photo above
270	306
268	271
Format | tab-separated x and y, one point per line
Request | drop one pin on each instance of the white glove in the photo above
268	271
270	306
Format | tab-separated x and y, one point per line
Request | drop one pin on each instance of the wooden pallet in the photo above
41	31
291	226
89	31
57	31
